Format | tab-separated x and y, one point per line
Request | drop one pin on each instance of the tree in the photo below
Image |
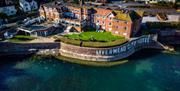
3	16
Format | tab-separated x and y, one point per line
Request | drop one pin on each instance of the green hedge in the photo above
69	41
92	44
104	44
21	38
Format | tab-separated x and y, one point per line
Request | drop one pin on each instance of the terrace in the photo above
92	39
43	29
36	27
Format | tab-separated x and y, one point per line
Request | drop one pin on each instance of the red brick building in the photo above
118	22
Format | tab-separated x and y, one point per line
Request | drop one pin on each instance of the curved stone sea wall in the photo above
83	53
111	53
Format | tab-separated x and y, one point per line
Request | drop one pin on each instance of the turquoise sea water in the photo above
158	72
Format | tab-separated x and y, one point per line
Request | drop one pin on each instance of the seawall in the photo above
29	48
110	53
170	37
83	53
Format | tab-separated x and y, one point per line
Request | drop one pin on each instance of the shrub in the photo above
69	41
21	38
104	44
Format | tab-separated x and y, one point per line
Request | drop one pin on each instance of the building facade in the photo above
119	22
8	10
7	2
28	5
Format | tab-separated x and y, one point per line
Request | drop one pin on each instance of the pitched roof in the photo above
126	15
102	12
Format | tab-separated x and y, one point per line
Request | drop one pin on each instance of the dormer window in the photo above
104	17
126	22
125	28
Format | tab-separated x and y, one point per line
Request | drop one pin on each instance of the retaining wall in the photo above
28	48
111	53
83	53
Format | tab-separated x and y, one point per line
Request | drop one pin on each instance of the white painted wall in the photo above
171	18
149	19
9	10
25	6
34	5
28	6
175	18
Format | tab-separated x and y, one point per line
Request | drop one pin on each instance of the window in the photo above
124	34
110	29
110	24
117	27
103	27
104	17
126	22
12	12
110	18
125	28
92	20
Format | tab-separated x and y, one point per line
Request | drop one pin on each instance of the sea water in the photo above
155	72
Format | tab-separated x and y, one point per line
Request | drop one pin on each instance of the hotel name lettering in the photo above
124	48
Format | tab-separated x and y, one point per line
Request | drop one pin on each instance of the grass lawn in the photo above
21	38
94	36
93	39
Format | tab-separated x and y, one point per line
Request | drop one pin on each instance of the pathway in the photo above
42	40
